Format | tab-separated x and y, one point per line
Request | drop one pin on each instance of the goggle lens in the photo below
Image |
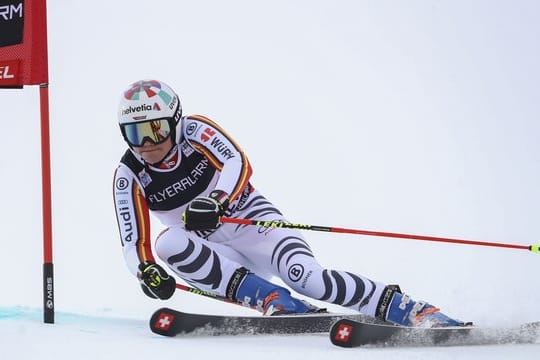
156	131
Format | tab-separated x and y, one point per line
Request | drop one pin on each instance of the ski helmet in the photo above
149	110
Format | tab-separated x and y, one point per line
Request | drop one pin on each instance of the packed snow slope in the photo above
106	337
416	117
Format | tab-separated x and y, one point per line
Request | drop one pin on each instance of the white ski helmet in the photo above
149	110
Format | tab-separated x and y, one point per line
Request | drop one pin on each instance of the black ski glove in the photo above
203	212
155	282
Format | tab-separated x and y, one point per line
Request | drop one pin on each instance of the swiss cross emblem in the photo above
164	321
343	333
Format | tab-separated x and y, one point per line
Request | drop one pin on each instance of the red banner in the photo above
23	43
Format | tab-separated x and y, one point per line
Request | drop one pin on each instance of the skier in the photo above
187	171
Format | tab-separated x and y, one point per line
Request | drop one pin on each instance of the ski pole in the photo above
278	224
211	295
205	293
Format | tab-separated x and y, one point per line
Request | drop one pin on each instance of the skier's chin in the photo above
152	156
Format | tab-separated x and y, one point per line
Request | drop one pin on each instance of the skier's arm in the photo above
222	152
133	219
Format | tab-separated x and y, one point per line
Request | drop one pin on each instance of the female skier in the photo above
188	172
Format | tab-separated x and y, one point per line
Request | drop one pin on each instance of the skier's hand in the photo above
155	282
203	212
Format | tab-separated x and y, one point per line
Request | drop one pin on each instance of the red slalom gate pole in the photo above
48	272
277	224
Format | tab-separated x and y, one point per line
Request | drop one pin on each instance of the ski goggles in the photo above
156	131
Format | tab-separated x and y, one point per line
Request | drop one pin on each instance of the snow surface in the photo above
425	114
106	337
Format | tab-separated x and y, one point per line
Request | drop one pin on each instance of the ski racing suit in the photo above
207	158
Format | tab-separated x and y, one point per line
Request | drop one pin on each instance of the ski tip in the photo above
162	321
341	333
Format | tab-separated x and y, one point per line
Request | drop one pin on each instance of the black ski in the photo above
350	333
169	322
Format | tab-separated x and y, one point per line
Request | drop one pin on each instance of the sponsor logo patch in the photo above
11	22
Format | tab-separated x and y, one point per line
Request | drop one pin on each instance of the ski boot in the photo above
400	309
270	299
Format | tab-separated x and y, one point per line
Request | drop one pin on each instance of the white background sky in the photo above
403	116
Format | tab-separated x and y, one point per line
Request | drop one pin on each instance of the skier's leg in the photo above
305	275
220	269
285	253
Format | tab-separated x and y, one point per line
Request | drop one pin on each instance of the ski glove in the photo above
155	282
203	213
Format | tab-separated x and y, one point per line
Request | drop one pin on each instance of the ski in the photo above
351	333
169	322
